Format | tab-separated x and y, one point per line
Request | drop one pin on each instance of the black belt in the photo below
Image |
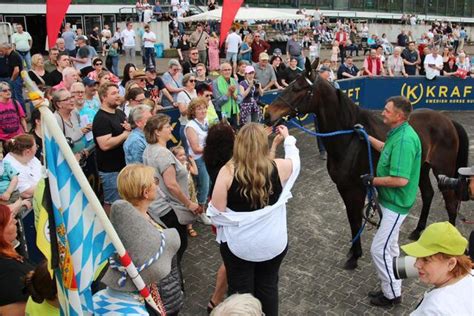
23	53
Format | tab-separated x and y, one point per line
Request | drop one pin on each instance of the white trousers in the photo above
384	248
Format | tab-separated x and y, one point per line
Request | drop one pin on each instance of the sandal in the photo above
192	232
210	306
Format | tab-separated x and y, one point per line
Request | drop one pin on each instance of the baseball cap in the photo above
249	69
150	69
88	82
466	171
324	68
437	238
81	37
263	56
277	52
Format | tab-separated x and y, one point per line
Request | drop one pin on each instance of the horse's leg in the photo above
427	194
450	199
354	199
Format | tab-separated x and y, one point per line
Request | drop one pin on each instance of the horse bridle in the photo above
295	108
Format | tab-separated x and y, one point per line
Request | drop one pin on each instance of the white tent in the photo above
244	14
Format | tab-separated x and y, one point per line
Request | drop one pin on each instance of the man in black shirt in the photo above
191	64
402	39
13	66
291	72
110	130
56	76
155	87
411	59
347	69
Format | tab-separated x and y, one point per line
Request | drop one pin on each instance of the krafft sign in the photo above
442	93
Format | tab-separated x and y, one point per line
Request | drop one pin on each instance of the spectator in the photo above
86	114
264	72
402	39
251	90
191	64
205	91
347	69
94	39
245	52
135	144
232	44
462	38
258	46
441	261
380	54
110	130
433	64
326	74
183	100
261	31
373	65
22	43
70	75
56	76
12	115
213	47
128	40
341	38
112	59
425	51
157	11
173	207
91	99
291	72
13	267
395	64
239	304
279	70
147	14
201	77
83	57
463	62
450	67
196	134
240	74
69	38
149	40
21	156
245	30
183	48
14	66
43	292
173	80
411	59
199	39
37	72
154	86
51	64
447	52
259	270
133	98
386	45
226	95
128	71
372	41
37	133
294	50
61	46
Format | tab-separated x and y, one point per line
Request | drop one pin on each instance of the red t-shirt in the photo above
10	115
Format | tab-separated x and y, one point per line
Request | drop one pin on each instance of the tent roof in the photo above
244	14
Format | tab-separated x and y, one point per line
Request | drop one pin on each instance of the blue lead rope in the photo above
371	194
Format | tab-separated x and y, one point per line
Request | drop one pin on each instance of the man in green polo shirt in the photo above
398	174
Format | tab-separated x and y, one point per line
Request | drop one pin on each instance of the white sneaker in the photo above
204	219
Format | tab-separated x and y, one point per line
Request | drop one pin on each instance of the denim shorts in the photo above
231	57
109	184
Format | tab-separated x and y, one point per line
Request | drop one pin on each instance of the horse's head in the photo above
294	99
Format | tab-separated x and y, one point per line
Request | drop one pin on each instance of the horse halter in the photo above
295	108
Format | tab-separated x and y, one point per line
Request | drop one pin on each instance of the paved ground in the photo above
312	281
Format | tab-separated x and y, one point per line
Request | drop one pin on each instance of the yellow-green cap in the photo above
438	237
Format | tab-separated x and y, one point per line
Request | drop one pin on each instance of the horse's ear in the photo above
307	65
315	63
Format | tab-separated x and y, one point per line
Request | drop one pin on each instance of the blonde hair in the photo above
252	163
194	104
239	305
133	180
35	59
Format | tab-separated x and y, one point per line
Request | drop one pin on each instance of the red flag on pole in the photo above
229	10
55	12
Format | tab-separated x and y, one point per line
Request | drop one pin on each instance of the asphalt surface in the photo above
312	280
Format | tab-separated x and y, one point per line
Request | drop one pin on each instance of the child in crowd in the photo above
190	164
313	51
8	182
334	54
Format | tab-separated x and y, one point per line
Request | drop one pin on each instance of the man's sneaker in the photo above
204	219
375	293
382	301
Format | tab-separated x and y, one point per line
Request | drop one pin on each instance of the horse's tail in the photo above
463	150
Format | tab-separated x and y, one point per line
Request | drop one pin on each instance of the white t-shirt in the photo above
128	38
29	174
147	15
150	35
438	61
185	98
201	133
456	299
233	42
21	41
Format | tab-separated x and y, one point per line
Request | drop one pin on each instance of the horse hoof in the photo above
350	264
415	235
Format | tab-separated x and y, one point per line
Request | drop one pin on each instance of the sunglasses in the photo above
98	64
6	90
192	80
141	79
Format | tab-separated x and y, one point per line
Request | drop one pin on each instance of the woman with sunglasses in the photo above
98	65
183	100
12	115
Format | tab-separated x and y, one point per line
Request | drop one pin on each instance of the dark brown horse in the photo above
445	146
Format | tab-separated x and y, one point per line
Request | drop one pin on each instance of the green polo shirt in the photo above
400	157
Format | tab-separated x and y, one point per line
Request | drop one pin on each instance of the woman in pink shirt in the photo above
12	115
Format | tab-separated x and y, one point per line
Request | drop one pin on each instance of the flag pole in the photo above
48	119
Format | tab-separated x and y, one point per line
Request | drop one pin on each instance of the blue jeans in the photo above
150	56
26	57
321	147
301	60
109	184
115	62
202	183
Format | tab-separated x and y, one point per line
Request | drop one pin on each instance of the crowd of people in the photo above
117	120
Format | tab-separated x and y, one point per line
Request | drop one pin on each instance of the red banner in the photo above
229	10
55	12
